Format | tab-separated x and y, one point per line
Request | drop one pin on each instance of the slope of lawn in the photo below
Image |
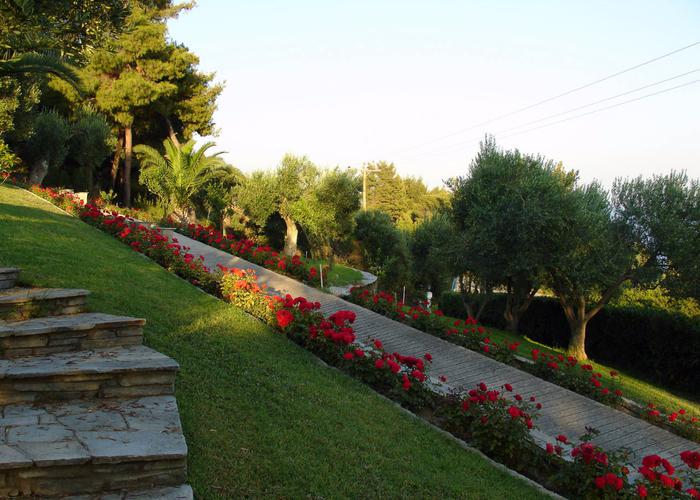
340	275
262	418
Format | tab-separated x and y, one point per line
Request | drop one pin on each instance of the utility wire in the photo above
600	101
549	99
663	91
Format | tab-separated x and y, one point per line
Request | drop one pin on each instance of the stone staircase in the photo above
86	410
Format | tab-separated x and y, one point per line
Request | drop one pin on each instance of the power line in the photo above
675	77
549	99
663	91
607	107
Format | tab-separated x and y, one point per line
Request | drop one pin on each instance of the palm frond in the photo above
32	62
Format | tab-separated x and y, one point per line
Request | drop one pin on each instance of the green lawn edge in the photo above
261	416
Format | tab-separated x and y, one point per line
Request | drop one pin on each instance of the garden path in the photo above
564	412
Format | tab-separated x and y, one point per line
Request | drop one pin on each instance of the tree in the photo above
663	215
48	145
384	248
431	247
642	235
289	191
595	261
386	190
507	209
90	144
337	200
176	177
140	74
422	203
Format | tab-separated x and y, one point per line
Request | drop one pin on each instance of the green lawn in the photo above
340	275
633	387
262	418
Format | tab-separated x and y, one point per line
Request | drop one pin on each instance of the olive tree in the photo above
507	209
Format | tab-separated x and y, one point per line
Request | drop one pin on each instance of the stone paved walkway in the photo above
563	412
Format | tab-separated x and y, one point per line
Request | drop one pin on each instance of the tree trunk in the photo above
128	146
171	132
512	319
115	160
38	171
577	343
290	238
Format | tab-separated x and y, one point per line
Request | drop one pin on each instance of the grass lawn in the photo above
340	275
262	418
633	387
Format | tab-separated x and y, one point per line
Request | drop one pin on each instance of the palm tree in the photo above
176	177
14	65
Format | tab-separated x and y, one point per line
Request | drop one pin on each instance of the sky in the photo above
419	83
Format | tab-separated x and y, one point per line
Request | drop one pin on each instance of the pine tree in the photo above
140	77
386	191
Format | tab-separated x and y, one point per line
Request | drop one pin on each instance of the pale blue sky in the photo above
351	82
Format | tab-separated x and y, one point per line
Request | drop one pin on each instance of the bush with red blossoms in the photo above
566	371
467	333
494	420
150	242
245	248
660	479
679	421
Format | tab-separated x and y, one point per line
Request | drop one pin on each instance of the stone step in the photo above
182	492
24	303
92	447
8	277
75	332
132	371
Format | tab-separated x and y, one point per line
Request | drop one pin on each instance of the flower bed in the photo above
489	418
565	371
263	256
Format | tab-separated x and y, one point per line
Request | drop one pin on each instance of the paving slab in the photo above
69	323
134	430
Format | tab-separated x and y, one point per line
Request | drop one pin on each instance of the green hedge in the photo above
657	344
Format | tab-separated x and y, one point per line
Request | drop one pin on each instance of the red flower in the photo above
428	356
508	387
284	318
550	449
691	459
562	439
642	491
442	378
379	364
348	355
378	344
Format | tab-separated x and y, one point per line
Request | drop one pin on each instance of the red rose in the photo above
284	318
348	355
642	491
379	364
562	439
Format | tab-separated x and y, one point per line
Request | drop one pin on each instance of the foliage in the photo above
508	211
140	77
384	248
656	298
8	162
178	175
432	246
90	144
386	191
663	216
47	148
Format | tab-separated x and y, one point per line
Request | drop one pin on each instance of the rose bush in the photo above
245	248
